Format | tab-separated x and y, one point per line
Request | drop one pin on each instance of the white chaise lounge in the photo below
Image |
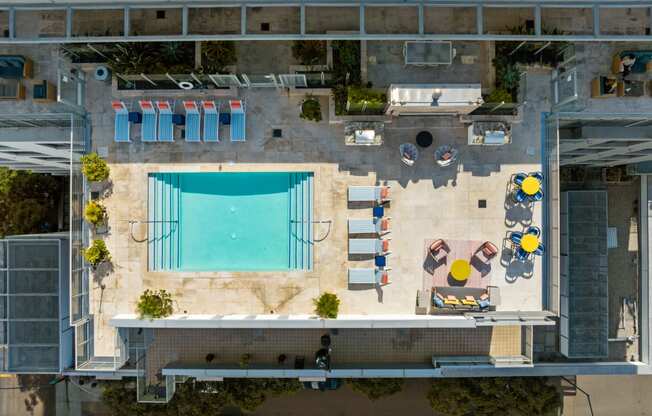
369	194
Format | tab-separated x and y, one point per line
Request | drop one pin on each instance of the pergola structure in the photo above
40	142
604	140
597	20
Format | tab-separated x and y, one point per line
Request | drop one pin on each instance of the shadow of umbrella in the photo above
518	269
452	282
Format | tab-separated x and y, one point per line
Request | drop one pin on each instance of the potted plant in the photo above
327	305
95	213
97	253
154	304
244	360
311	109
94	168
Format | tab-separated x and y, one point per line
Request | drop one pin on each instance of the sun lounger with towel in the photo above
368	246
211	121
378	194
121	133
237	121
368	277
193	121
165	126
369	226
148	127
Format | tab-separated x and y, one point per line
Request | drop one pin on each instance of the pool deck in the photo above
428	202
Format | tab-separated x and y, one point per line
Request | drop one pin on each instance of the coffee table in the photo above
460	270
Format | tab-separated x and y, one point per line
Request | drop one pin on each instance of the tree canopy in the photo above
28	202
377	388
194	398
494	396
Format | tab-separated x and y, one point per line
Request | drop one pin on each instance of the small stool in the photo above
178	119
378	212
135	117
225	118
380	261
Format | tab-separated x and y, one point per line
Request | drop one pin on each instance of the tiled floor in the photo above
428	202
349	346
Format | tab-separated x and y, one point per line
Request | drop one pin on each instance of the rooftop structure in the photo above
463	234
88	21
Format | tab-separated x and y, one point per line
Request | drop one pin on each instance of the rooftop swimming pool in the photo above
232	221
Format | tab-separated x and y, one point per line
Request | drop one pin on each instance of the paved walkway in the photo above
371	347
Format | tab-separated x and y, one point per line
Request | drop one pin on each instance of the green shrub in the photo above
95	213
97	253
216	55
510	78
499	95
244	360
94	168
311	110
365	101
249	394
376	388
154	304
494	396
360	94
309	52
195	397
346	62
327	305
29	201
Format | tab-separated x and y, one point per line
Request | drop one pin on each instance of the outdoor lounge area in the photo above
368	247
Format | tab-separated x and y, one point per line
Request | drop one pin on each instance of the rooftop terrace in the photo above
428	202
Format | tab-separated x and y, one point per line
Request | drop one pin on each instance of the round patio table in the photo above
424	139
531	185
529	243
461	270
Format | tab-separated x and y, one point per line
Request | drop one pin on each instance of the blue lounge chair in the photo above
165	125
538	176
193	121
519	178
148	127
540	250
211	121
515	237
538	196
121	133
519	196
533	230
522	255
237	121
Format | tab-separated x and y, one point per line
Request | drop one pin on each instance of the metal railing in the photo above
125	18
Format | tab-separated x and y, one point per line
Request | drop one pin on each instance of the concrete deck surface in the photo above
428	202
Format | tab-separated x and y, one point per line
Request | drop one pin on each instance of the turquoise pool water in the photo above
230	221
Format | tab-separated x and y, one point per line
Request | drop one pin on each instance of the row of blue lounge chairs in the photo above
157	121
